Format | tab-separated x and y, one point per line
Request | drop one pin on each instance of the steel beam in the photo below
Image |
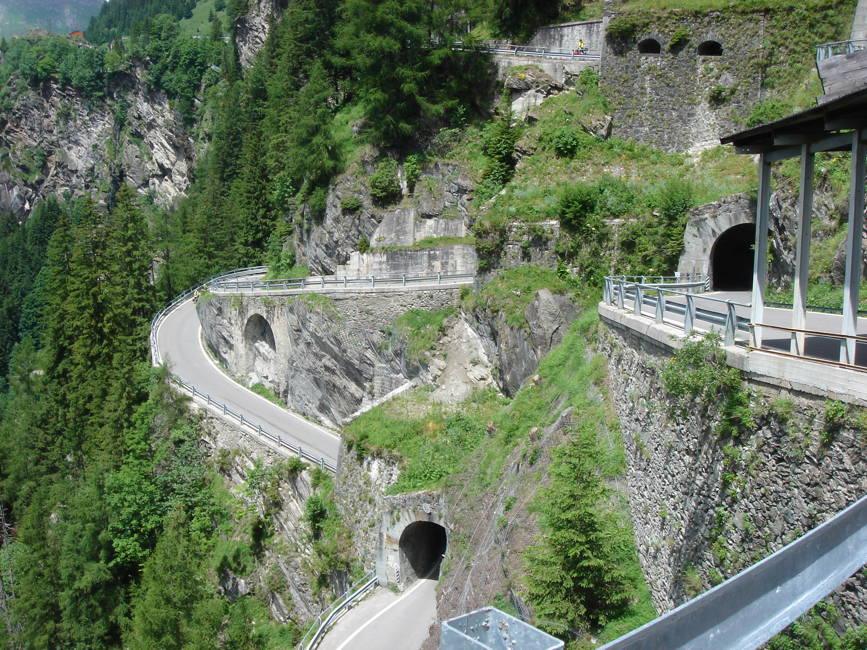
760	262
802	250
854	235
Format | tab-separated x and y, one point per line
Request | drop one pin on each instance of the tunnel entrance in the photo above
261	349
422	546
731	259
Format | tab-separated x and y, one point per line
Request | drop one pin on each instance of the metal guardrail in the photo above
750	608
827	50
220	407
321	623
681	311
320	283
529	51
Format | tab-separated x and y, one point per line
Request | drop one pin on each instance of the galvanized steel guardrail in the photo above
320	283
750	608
321	623
220	407
827	50
681	312
529	51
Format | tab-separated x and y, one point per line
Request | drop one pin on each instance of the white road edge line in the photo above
343	645
318	427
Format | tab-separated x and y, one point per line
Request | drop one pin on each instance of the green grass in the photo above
296	272
348	143
268	394
821	295
199	22
512	290
533	193
422	329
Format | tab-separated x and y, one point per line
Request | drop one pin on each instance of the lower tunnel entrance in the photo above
422	546
731	259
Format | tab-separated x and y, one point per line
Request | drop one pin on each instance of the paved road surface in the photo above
179	343
387	621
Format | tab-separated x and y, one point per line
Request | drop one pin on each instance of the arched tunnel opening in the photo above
731	259
257	332
422	547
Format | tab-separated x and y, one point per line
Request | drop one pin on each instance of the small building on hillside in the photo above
77	36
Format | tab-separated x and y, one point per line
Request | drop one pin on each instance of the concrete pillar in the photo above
760	263
854	230
802	250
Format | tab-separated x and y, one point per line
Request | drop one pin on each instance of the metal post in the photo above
323	281
854	234
760	263
224	410
372	281
689	316
802	251
259	429
660	306
404	279
731	323
344	281
606	290
639	297
620	290
439	278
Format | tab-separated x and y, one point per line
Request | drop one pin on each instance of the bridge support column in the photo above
760	263
802	250
854	234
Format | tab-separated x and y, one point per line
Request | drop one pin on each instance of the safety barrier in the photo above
672	300
219	407
529	51
325	283
748	609
827	50
321	623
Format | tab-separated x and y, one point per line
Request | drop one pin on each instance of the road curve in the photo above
179	342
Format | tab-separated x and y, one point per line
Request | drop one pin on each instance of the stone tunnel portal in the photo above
731	259
260	348
422	546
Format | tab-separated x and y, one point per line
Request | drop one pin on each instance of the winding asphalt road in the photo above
180	346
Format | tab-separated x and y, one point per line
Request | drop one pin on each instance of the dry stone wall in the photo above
705	508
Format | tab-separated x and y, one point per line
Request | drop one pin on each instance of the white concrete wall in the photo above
567	35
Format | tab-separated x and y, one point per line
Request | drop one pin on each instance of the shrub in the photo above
623	27
565	142
363	244
719	95
835	419
315	513
412	170
615	198
351	204
384	184
679	38
766	111
577	206
317	201
490	240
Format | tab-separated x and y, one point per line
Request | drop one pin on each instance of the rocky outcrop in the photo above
436	208
56	141
251	29
327	357
705	508
517	351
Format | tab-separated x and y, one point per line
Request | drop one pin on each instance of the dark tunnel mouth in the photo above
258	329
732	258
423	544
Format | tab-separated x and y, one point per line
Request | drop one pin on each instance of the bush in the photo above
363	244
679	39
351	204
384	183
766	111
615	198
565	142
577	206
719	95
412	170
623	27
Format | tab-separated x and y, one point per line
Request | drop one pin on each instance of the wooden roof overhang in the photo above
826	127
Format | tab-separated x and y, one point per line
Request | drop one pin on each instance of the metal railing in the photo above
321	623
529	51
750	608
672	300
220	407
827	50
325	283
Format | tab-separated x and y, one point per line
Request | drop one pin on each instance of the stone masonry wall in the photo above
705	508
678	100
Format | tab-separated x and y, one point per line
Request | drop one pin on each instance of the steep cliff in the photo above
55	141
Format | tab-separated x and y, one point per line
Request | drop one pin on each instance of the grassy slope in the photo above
199	22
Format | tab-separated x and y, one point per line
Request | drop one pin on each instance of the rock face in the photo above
435	209
327	357
516	351
57	142
251	30
280	577
705	508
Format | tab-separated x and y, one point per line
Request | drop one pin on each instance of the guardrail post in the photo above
660	306
224	410
689	316
300	452
620	290
606	291
404	279
639	298
242	419
321	463
259	429
344	281
323	281
731	324
303	283
439	278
